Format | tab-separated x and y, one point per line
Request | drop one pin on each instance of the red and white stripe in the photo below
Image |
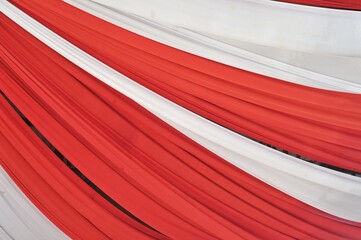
154	141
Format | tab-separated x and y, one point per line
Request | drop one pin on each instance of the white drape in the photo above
19	218
264	22
343	73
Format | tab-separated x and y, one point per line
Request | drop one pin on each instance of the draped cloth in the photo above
166	165
20	219
53	188
314	123
263	22
327	72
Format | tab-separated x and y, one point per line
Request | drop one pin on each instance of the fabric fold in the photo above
75	208
244	56
19	218
327	190
264	22
321	125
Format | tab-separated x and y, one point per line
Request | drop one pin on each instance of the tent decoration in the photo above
178	120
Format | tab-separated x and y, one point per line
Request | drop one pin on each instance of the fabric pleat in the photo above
95	120
317	124
264	22
19	218
176	171
314	70
63	197
313	188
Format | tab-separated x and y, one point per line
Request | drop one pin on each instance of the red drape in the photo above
318	124
62	197
171	183
342	4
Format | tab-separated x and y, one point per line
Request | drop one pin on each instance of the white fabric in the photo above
326	72
264	22
4	235
339	67
19	218
333	192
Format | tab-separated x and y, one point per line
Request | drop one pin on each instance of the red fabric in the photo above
61	196
342	4
159	175
318	124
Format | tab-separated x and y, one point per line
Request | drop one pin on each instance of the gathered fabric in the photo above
319	181
175	170
264	22
20	219
65	199
314	70
314	123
